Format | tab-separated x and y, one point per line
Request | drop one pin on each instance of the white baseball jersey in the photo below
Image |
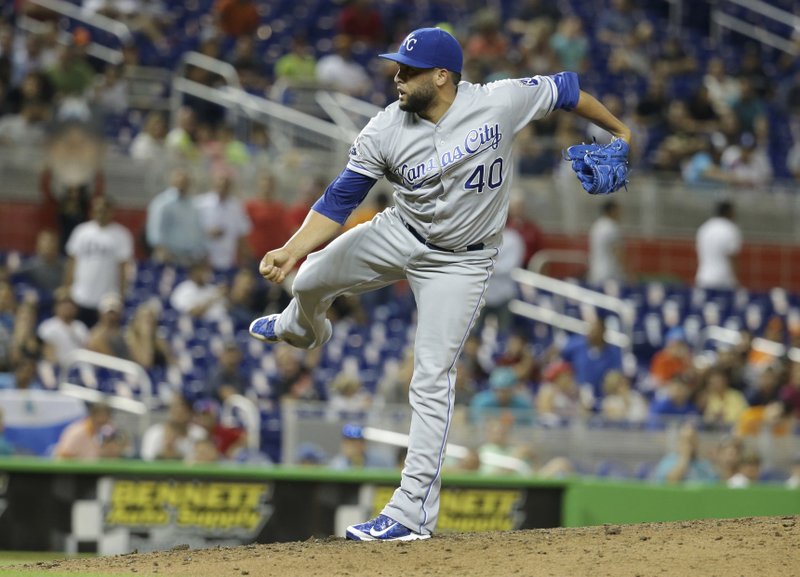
452	179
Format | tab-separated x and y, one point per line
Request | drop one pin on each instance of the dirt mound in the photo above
765	546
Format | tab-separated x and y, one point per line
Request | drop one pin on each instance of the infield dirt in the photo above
751	547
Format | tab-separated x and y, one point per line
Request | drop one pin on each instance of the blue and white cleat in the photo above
382	528
263	329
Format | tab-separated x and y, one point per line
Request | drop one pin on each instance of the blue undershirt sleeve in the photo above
343	195
569	90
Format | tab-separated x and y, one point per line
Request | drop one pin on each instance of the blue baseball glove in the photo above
601	168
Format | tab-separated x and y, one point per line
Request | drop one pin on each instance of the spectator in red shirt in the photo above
237	17
227	440
361	21
269	217
531	234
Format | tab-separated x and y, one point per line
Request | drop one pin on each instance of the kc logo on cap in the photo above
429	48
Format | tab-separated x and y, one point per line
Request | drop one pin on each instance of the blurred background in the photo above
151	151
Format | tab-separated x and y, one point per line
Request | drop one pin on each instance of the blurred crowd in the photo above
94	284
724	114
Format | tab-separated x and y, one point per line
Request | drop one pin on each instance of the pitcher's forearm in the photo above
315	230
595	111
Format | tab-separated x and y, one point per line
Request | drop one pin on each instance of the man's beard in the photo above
420	100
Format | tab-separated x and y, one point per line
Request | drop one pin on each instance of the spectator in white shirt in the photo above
62	333
99	251
198	297
149	143
718	244
226	223
606	250
175	438
339	72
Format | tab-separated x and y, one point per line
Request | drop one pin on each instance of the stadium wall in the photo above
117	506
762	266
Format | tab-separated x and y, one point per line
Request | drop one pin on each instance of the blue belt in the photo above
419	237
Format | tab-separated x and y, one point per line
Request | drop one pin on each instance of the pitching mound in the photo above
730	548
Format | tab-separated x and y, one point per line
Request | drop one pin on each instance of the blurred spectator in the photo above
498	455
174	229
236	17
759	359
766	389
606	246
749	108
198	297
225	222
502	397
502	288
180	140
360	20
27	127
298	66
724	90
517	355
525	226
616	24
227	441
790	392
394	385
234	151
149	143
620	403
672	58
109	92
631	56
718	243
793	161
106	336
81	440
174	438
338	71
674	401
62	333
703	167
749	471
145	345
311	454
44	271
793	482
728	457
72	77
8	311
591	357
245	299
203	451
560	397
685	464
73	176
114	443
722	405
347	396
293	379
99	251
228	376
268	215
23	376
6	448
354	453
674	360
24	340
487	43
747	162
571	44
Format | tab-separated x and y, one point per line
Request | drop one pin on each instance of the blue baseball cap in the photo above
429	48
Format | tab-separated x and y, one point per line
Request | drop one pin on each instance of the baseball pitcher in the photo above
445	145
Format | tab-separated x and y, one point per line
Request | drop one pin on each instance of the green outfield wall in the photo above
117	506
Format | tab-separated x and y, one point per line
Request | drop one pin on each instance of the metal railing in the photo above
137	373
114	27
720	20
732	337
543	257
624	310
